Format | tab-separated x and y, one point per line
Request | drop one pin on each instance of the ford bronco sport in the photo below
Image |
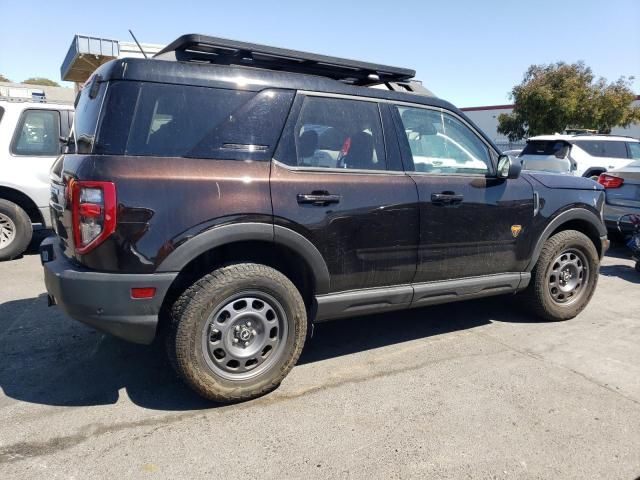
224	195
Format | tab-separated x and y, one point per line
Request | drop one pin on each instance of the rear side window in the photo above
37	134
339	133
184	121
1	113
557	148
603	148
634	150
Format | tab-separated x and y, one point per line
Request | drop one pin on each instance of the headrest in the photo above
418	121
331	139
307	143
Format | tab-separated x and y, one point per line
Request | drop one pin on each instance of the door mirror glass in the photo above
508	167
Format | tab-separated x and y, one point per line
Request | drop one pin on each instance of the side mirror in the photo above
67	145
509	167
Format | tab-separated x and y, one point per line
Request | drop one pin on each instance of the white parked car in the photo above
581	154
30	142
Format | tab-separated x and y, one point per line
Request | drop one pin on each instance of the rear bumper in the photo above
103	300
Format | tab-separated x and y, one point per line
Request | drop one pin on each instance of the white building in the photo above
487	119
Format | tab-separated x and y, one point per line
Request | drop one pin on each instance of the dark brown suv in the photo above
222	195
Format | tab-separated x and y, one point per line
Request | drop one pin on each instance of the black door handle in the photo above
319	199
446	198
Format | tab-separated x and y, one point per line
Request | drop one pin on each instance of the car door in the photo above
337	180
472	223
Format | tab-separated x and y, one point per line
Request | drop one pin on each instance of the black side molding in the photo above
385	299
238	232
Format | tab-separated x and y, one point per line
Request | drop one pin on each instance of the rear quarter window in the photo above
603	148
634	150
557	148
145	119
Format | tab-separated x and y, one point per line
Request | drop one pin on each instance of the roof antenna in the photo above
138	43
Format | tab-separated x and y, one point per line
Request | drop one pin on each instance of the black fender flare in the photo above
564	217
239	232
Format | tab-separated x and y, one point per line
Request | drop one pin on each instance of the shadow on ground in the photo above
625	271
50	359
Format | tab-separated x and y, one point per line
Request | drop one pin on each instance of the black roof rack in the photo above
602	135
201	48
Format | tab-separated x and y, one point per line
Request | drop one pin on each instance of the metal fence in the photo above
503	146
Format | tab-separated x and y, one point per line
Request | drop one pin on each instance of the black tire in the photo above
539	295
15	230
194	320
638	266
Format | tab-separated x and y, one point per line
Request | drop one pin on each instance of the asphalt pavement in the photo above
477	389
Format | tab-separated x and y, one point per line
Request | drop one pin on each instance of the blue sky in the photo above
468	52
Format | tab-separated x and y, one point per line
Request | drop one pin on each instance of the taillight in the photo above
609	181
93	206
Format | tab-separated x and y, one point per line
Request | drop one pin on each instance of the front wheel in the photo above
237	332
565	277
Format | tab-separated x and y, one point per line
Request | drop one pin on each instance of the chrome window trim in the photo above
341	171
404	104
474	175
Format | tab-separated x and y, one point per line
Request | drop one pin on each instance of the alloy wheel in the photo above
7	231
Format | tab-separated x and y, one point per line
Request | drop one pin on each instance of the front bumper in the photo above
103	300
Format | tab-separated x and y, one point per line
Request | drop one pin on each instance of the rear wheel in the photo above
565	277
237	332
15	230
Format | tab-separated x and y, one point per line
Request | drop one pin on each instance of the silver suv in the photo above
30	131
584	155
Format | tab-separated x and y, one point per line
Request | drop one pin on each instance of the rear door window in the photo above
603	148
37	134
339	133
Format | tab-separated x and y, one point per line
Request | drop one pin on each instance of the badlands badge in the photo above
515	230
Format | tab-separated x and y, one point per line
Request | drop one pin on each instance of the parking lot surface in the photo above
469	390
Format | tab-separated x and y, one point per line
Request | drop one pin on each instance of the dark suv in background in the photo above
223	195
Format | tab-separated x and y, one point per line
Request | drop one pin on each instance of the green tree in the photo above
41	81
3	78
552	98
